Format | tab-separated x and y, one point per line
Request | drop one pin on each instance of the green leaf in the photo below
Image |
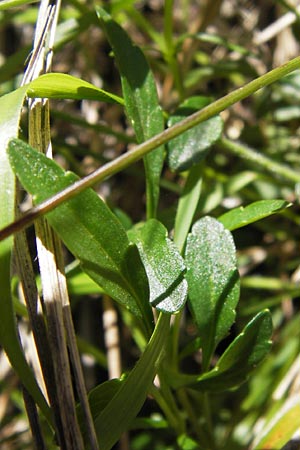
61	85
129	398
193	145
141	101
6	4
282	428
164	266
10	107
88	228
186	443
187	205
99	397
213	282
238	361
81	284
242	216
247	350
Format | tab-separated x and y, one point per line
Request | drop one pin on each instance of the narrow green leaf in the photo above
164	266
187	205
61	85
129	398
242	216
238	361
247	350
10	107
192	146
141	101
283	426
6	4
88	228
99	397
213	282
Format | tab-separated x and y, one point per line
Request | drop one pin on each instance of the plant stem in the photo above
186	404
169	48
263	161
146	147
207	413
168	405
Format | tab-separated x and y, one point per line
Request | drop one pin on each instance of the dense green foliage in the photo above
189	239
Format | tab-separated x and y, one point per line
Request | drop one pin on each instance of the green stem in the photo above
141	150
166	402
264	162
186	404
207	413
169	48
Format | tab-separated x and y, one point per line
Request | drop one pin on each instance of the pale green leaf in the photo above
213	282
283	426
61	85
192	146
242	216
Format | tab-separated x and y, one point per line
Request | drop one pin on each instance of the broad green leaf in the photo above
213	282
192	146
238	361
10	107
61	85
242	216
283	426
88	228
129	398
164	266
141	101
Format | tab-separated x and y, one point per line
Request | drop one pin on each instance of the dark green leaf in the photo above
141	101
242	216
213	282
88	228
242	356
192	146
247	350
101	395
164	266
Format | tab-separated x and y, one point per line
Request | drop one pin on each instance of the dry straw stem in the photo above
61	332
